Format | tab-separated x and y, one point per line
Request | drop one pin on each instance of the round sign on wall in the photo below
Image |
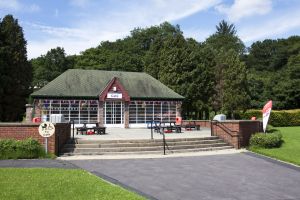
46	129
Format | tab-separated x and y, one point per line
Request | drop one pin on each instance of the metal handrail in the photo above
164	140
226	129
164	137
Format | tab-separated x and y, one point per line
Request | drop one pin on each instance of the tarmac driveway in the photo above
234	176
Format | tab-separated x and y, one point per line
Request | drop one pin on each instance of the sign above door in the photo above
113	95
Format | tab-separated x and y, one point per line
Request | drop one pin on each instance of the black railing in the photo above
230	132
160	131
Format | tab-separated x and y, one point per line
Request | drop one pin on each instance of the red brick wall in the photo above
202	123
22	131
236	132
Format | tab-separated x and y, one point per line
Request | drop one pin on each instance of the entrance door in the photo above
114	113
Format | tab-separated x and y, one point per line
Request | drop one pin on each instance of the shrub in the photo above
14	149
277	118
8	149
266	140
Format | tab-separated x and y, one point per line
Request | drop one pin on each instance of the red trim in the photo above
109	87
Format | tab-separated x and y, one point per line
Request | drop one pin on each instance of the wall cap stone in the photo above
21	124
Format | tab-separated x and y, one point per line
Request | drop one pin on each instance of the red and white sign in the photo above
266	114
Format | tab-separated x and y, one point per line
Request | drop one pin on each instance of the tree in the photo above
292	82
155	39
236	96
231	93
16	71
49	66
225	37
271	64
223	28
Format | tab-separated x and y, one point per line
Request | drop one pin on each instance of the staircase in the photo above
145	146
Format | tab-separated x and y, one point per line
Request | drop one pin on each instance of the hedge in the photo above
268	140
15	149
277	118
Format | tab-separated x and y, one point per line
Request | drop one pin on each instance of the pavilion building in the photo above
110	98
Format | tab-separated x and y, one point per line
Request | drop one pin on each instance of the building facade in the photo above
110	98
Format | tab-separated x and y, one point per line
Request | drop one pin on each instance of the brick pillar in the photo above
178	109
37	109
100	113
126	115
29	109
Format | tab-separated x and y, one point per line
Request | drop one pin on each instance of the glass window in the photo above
78	110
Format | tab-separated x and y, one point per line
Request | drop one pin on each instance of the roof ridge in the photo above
106	70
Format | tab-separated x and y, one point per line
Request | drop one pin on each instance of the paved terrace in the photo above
143	133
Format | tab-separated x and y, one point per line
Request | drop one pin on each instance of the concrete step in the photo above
138	149
150	152
143	144
83	141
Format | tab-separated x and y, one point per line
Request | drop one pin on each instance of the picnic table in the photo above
96	129
169	126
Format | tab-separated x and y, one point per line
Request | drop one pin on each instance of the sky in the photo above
77	25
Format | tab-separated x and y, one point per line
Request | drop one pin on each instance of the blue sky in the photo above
80	24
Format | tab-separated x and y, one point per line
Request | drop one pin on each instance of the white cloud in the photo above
270	29
93	27
245	8
73	40
10	4
174	9
15	5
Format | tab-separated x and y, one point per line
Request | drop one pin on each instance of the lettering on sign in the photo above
46	129
114	95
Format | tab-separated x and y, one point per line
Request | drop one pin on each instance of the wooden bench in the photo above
99	130
191	125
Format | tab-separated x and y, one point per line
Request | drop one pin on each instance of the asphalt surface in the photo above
240	176
218	177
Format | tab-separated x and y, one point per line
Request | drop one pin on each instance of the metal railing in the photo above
227	130
160	130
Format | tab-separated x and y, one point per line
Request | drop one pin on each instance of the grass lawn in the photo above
290	149
42	183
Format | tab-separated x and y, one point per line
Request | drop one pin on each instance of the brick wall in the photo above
202	123
236	132
22	131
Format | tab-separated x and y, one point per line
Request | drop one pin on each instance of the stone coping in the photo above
237	121
22	124
231	120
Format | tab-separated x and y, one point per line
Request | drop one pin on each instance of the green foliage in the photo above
15	70
15	149
225	38
231	83
277	118
49	66
275	72
266	140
